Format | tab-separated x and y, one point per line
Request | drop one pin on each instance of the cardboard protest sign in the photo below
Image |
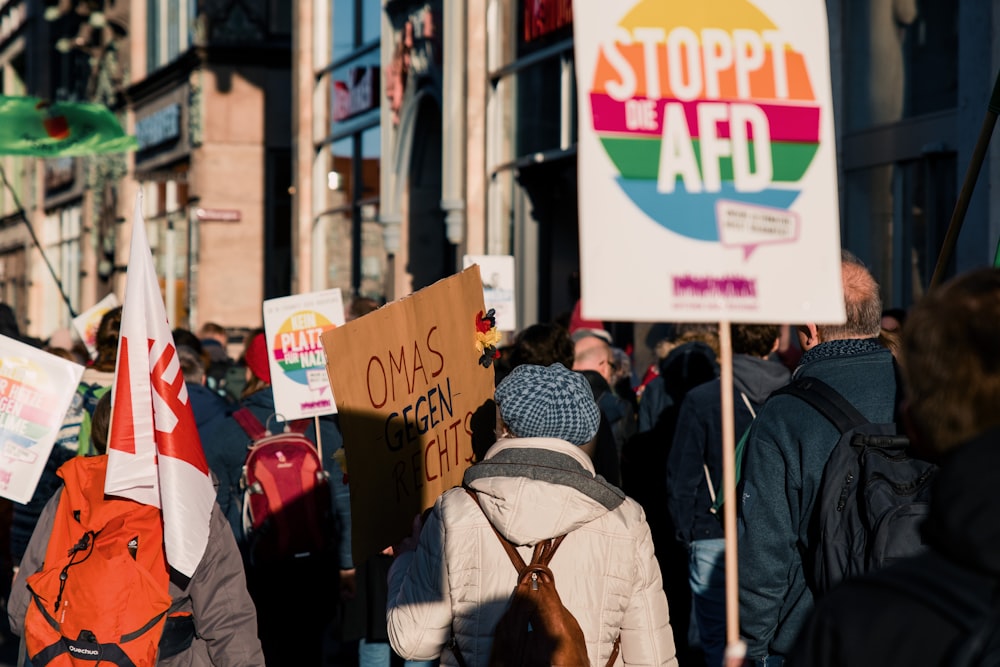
36	389
707	161
415	396
498	287
86	323
293	325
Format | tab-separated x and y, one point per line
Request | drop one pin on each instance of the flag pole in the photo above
971	175
733	642
34	239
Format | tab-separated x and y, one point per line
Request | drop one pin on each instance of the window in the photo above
355	24
344	19
167	31
906	208
152	35
371	21
901	60
899	157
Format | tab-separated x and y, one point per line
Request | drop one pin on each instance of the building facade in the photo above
478	151
206	89
369	145
211	106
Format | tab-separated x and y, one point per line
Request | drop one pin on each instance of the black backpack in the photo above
873	495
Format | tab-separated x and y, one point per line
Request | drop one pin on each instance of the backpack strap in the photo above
298	425
542	556
544	551
249	423
826	400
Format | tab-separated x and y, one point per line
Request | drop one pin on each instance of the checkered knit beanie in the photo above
548	402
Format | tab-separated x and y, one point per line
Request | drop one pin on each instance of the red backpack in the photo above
286	493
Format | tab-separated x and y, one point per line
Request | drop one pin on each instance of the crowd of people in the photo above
627	463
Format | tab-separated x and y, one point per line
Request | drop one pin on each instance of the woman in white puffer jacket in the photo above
534	486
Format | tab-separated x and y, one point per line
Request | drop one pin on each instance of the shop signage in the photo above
218	214
356	94
159	127
543	17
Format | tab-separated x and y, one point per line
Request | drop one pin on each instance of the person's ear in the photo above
808	335
774	348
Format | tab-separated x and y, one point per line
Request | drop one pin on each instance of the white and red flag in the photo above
154	453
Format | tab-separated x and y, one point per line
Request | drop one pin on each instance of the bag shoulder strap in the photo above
542	556
544	551
249	423
826	400
298	425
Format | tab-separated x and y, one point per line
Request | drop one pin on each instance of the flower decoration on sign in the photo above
340	456
487	337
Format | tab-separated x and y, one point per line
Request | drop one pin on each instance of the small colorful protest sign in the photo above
87	322
36	389
414	384
293	325
498	287
707	163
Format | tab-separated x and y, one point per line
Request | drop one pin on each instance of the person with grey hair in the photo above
938	607
451	580
786	451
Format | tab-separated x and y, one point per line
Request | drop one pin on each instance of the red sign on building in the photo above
357	94
543	17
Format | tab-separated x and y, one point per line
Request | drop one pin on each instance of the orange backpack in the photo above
102	594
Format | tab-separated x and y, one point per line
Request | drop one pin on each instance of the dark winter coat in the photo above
226	451
698	442
208	407
787	449
878	620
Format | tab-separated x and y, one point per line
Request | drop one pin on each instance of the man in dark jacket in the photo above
923	610
694	472
787	448
274	587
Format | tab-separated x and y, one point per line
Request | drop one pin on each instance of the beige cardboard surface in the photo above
413	398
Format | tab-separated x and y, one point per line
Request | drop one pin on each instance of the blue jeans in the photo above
707	574
379	654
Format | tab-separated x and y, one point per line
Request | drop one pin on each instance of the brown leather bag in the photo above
536	629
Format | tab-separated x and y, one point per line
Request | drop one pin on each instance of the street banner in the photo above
414	385
32	126
292	327
87	322
707	163
154	452
498	287
36	389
